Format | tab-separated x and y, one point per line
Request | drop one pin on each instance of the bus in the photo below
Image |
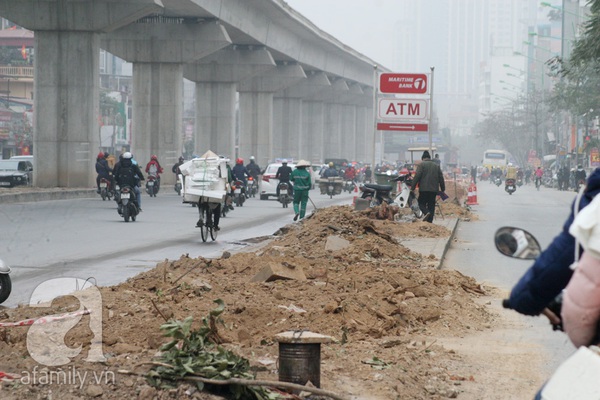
495	159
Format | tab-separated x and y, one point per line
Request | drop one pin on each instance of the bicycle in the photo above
205	223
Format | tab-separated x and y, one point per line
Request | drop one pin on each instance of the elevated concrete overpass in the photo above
299	92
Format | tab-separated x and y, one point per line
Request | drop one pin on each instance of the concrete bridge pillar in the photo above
158	47
288	119
66	98
312	125
256	110
216	78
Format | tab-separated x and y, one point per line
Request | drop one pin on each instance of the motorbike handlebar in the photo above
550	313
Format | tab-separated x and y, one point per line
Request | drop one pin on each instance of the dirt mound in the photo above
380	302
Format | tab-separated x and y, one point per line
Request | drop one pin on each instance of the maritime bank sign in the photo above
398	113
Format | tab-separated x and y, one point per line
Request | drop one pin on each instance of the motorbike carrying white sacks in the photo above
580	311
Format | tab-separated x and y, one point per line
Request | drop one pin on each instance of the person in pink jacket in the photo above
581	299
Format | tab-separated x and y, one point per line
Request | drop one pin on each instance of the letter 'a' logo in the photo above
46	336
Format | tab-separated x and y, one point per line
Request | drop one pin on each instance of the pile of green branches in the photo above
195	355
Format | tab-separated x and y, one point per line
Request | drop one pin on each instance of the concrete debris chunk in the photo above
274	271
335	243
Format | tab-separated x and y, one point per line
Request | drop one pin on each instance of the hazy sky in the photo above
365	25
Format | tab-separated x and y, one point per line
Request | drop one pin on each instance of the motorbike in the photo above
251	187
127	204
284	194
497	181
405	196
178	186
376	194
510	186
152	185
519	182
349	186
538	183
106	191
239	192
331	186
5	282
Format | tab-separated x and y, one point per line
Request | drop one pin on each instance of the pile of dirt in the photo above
382	303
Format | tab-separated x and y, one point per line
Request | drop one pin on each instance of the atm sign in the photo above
403	83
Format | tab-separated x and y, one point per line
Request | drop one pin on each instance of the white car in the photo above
268	184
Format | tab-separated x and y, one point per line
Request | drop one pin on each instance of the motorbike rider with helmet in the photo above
253	169
128	173
331	171
154	169
283	174
240	173
539	173
103	170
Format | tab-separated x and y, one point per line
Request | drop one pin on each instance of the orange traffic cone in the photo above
472	195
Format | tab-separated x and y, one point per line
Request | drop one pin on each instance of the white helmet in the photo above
127	155
284	161
252	157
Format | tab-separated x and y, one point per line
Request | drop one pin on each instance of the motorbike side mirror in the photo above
517	243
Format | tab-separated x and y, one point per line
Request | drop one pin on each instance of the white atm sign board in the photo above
403	109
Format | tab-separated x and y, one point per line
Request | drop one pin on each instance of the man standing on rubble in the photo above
430	179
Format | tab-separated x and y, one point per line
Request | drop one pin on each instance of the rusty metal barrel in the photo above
300	357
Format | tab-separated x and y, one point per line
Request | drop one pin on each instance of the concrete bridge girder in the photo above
88	16
166	42
256	110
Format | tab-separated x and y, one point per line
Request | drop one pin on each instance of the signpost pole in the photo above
431	112
375	90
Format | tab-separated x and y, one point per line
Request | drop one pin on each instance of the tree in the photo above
587	48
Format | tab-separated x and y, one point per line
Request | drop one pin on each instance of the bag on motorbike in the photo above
575	378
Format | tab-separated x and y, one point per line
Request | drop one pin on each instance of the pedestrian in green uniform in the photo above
302	183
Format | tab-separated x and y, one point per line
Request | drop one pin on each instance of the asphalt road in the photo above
473	252
86	238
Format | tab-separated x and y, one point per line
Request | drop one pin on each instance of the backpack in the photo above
153	169
127	176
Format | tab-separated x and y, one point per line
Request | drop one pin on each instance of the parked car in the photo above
15	173
268	183
24	158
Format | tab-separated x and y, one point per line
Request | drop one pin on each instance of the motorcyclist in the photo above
580	176
350	173
283	174
253	169
128	173
154	169
175	168
330	172
240	173
511	174
539	173
551	271
103	170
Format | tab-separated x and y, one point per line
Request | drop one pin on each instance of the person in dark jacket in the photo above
430	179
253	169
102	169
283	174
551	271
128	173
